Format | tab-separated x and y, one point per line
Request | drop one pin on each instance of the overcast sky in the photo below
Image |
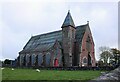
23	19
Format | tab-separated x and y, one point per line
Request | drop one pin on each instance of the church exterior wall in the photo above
68	45
85	52
44	59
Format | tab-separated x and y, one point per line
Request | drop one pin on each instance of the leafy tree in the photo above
105	54
116	56
7	61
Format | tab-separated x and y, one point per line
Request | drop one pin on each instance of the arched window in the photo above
40	59
65	33
24	60
27	58
56	52
60	58
73	34
88	43
33	59
21	59
85	60
48	56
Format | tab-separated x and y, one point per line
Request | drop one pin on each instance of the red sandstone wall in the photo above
84	51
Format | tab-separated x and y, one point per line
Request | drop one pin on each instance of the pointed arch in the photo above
40	59
48	56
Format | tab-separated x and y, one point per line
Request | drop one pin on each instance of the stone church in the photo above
69	47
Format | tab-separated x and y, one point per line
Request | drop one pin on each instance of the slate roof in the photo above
68	21
44	42
80	30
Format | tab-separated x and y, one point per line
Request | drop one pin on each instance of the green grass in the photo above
31	74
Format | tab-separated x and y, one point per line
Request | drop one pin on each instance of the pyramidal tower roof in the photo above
68	20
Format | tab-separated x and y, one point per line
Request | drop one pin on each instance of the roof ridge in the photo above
82	25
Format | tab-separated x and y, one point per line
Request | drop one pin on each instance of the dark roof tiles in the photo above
68	21
44	42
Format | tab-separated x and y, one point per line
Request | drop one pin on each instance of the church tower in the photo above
68	37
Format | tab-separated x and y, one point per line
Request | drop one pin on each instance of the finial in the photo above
87	22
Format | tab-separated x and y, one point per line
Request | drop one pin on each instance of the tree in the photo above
103	48
116	56
7	61
105	54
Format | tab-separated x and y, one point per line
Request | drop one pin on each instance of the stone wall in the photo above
110	76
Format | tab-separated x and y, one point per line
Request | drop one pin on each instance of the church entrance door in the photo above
56	63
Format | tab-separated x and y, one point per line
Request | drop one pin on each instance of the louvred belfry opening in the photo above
56	63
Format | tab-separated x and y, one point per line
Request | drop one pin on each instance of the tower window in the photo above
65	34
88	43
72	33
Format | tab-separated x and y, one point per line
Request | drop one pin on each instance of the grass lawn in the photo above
31	74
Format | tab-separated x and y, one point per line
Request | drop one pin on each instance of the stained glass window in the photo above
48	56
85	60
22	59
88	44
27	58
33	59
40	59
